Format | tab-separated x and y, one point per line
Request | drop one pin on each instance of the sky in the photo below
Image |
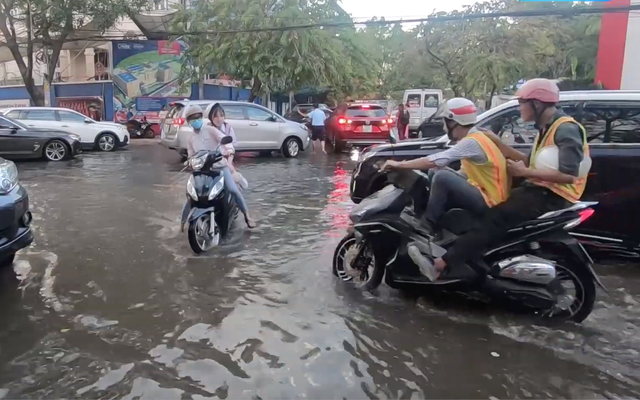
396	9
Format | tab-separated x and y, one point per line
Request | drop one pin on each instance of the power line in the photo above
575	11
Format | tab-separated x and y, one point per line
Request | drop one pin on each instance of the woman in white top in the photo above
206	137
216	116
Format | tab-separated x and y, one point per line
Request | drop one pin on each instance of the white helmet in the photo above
460	110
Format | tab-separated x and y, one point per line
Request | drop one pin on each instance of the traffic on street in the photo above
110	301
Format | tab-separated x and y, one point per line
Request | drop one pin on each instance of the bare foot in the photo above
250	223
182	228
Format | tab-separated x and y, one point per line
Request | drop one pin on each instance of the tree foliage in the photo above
277	60
469	57
28	25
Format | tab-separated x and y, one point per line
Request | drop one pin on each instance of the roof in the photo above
576	95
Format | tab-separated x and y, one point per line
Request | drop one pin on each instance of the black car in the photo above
15	216
18	141
612	121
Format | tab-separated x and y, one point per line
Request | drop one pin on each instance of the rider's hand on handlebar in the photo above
389	165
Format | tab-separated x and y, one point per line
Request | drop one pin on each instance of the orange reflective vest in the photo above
491	177
569	191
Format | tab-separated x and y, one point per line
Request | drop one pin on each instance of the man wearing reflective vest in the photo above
482	182
544	189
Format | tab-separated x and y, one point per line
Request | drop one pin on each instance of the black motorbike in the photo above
213	208
140	129
538	265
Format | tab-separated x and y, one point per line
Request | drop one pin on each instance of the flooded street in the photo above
110	302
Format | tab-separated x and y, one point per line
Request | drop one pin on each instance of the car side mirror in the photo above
88	121
14	130
272	119
226	140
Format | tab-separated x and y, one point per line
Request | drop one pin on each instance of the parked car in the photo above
257	128
294	115
359	125
103	136
421	104
20	141
612	121
15	217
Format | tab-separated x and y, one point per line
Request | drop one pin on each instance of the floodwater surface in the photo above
110	302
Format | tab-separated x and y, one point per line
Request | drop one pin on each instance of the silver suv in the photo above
257	128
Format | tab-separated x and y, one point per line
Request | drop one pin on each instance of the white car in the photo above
257	128
104	136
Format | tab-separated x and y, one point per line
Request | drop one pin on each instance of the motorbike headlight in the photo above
8	177
197	163
216	189
191	189
355	155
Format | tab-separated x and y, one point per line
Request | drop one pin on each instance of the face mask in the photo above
196	123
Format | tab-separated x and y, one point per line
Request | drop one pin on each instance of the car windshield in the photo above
6	121
366	112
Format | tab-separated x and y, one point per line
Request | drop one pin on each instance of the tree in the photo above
30	26
277	60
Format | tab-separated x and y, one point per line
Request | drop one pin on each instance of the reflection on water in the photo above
110	302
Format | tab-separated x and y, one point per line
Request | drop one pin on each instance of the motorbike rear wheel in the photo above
581	305
342	260
200	238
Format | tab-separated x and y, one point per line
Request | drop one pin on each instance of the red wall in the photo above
611	44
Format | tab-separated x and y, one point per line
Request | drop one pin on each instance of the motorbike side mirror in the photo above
88	121
226	140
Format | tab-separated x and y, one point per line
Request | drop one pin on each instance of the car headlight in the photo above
8	177
191	190
197	163
75	137
216	189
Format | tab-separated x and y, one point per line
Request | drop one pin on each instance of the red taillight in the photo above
179	121
585	214
342	121
365	106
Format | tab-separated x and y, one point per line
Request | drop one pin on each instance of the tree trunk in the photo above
255	89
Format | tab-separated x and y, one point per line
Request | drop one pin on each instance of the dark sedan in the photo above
15	216
18	141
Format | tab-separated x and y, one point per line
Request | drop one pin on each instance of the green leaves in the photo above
282	60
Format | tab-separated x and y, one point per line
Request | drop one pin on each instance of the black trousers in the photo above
526	202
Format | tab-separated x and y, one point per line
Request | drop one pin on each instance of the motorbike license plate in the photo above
366	128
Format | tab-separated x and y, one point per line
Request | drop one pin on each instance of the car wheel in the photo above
107	142
291	147
149	133
56	150
7	261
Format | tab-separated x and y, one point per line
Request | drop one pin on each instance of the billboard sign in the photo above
145	74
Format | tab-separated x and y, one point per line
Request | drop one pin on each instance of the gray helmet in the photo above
192	110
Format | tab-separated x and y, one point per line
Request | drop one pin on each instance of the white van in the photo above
422	103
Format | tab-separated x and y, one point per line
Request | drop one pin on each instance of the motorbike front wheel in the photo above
367	273
200	237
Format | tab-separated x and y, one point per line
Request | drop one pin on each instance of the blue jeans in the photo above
451	190
231	187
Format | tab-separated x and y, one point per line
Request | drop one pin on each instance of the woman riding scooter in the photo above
216	117
204	138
